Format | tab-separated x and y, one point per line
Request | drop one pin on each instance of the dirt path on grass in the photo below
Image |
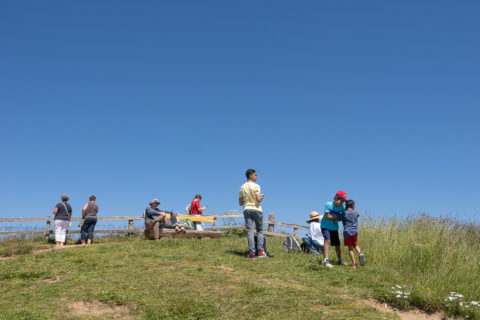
96	308
406	315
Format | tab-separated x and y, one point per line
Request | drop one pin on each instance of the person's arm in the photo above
240	198
55	211
202	209
259	195
70	214
329	216
84	210
358	214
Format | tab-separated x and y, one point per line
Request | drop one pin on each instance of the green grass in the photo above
210	278
427	257
15	246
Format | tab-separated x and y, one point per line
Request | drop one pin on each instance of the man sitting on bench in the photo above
154	220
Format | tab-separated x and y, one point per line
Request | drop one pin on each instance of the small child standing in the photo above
349	219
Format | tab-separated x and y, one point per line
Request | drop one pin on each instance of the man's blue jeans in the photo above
312	245
254	219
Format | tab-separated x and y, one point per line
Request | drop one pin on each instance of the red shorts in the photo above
351	241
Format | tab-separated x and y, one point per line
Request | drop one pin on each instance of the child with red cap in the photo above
330	227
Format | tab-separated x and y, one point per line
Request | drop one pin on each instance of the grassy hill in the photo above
130	278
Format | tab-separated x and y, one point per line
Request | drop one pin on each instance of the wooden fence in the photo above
130	230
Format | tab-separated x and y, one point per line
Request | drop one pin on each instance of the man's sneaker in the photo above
326	263
354	265
362	259
251	255
262	254
341	262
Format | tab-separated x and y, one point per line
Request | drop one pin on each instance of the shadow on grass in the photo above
240	253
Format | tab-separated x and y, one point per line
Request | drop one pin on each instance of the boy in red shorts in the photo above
349	219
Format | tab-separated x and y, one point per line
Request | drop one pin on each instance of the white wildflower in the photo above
399	287
398	296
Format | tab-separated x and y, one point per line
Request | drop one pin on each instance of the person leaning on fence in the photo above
154	220
250	198
63	214
314	240
89	214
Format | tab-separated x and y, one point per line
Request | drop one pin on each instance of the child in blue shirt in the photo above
349	219
329	227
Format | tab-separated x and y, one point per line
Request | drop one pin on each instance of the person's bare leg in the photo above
89	241
357	248
339	252
83	242
351	253
326	247
156	230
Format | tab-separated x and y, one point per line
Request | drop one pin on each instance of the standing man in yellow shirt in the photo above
250	198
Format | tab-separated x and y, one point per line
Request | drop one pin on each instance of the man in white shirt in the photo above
250	198
314	241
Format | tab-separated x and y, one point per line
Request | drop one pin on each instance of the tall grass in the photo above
20	246
427	257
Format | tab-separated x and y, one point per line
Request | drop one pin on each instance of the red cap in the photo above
342	195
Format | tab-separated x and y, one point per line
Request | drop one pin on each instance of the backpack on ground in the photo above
290	244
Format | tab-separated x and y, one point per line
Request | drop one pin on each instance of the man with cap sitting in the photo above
154	220
314	240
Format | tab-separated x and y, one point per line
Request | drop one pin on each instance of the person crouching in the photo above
314	240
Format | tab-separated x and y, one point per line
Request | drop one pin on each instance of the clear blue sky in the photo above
154	99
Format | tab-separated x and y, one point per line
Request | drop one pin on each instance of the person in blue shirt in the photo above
154	220
349	219
330	227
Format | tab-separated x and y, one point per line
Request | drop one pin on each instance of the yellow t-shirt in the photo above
248	193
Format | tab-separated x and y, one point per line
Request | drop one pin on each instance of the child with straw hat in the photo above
314	240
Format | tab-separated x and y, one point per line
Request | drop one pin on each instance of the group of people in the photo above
63	216
156	219
322	236
324	231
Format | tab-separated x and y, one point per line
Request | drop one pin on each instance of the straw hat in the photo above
314	216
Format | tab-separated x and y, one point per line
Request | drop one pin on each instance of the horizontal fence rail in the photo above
130	230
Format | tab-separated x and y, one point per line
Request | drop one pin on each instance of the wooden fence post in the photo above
130	227
295	232
271	220
47	231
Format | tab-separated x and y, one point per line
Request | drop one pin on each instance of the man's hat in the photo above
155	201
341	195
314	216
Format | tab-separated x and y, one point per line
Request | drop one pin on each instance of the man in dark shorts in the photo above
330	227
